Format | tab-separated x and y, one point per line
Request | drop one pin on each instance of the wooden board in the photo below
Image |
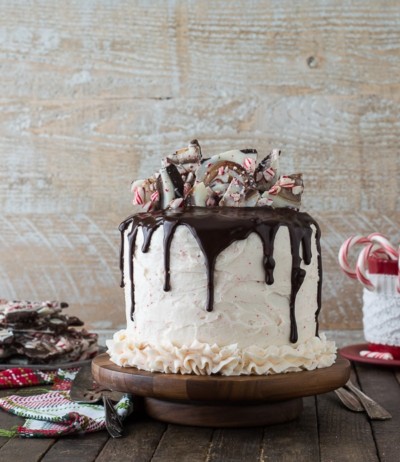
355	443
236	445
325	431
161	50
140	441
293	441
86	451
251	389
191	443
381	384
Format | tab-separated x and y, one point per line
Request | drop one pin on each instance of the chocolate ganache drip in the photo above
217	228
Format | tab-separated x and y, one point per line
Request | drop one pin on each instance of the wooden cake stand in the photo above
219	401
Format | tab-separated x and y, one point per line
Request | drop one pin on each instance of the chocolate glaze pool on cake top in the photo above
215	229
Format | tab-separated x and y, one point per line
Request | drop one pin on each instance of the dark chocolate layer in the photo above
217	228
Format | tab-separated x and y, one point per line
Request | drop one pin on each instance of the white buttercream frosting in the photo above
248	330
205	359
247	311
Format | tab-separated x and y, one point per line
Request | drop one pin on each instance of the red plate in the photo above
352	352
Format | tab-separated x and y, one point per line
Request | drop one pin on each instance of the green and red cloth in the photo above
52	414
19	377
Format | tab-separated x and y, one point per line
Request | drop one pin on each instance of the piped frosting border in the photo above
205	359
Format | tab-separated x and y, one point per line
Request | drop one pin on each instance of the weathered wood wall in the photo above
92	93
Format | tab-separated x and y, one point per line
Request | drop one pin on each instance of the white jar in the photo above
381	308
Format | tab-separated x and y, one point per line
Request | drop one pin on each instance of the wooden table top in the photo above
325	431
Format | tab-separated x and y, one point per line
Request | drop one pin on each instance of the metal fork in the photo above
349	400
374	410
113	423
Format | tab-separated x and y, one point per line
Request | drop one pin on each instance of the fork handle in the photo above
113	422
374	410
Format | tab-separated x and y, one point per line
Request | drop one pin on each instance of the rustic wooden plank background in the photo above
94	92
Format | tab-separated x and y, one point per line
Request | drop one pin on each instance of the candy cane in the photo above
274	190
377	245
385	244
269	173
344	252
249	164
376	355
138	197
155	196
362	266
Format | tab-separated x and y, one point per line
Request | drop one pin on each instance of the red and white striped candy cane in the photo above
376	245
388	250
274	190
362	266
385	244
344	253
155	196
138	196
269	173
376	354
249	164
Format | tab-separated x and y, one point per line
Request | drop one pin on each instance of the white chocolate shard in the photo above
282	195
186	159
264	200
268	171
198	195
177	203
212	182
234	195
165	188
235	155
251	198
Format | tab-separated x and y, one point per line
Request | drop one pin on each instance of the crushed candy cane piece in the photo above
376	355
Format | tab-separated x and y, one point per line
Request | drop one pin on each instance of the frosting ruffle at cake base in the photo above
205	359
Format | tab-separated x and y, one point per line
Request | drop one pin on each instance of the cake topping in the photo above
230	179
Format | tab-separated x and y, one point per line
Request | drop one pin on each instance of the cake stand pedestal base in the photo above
211	414
219	401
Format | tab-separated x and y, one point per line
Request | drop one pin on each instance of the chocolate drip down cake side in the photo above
222	274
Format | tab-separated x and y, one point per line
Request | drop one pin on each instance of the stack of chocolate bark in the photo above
40	333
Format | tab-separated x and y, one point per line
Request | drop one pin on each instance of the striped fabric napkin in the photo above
52	414
18	377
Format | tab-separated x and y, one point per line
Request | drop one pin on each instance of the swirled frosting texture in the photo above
247	311
248	329
206	359
381	310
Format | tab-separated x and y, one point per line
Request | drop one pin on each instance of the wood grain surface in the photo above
93	93
217	388
325	431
